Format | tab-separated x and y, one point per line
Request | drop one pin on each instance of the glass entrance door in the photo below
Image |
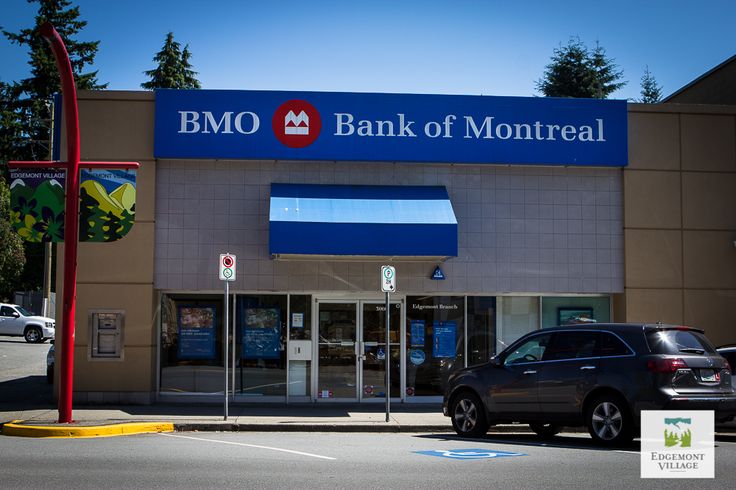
352	350
337	363
373	360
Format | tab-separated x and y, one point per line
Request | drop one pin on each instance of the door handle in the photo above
531	371
586	368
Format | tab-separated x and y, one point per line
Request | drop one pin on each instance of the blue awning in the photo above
361	221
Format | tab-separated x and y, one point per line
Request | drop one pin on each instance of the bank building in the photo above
500	215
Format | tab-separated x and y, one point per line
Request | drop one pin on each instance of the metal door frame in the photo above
359	346
402	370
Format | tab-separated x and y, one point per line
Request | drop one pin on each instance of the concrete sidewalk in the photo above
294	417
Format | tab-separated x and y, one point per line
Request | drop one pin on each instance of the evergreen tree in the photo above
174	69
605	74
190	81
651	93
36	92
14	142
575	71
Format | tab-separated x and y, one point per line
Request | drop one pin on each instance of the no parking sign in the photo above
227	267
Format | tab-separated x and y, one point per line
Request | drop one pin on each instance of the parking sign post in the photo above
227	274
388	285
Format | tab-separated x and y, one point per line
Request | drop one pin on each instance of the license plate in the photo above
708	375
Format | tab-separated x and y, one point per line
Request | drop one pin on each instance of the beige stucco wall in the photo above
118	275
680	217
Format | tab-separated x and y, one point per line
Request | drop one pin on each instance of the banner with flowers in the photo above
106	207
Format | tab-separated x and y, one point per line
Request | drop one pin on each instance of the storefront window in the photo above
481	329
300	323
578	309
260	364
191	344
300	340
434	342
519	315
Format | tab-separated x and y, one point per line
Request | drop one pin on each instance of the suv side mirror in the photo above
496	361
15	314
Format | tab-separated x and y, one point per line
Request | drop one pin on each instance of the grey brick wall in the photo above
521	229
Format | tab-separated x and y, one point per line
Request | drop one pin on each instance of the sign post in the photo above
227	274
388	285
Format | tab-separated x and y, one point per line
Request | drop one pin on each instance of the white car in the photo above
19	322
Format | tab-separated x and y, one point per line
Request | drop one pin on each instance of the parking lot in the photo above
23	374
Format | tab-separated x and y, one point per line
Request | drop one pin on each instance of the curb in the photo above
18	429
235	427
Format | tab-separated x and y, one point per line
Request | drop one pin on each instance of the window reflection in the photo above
434	342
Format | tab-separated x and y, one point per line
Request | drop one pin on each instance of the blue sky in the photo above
444	47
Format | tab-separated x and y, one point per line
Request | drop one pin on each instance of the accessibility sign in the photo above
469	454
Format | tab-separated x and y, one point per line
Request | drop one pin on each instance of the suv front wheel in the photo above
468	415
609	421
33	335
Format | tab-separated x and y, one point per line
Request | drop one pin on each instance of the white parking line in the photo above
250	445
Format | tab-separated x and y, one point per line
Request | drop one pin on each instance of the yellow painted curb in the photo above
16	428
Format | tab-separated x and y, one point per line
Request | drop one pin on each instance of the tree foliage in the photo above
35	92
576	71
651	93
12	256
25	112
173	68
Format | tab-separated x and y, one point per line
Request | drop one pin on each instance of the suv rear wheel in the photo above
468	415
545	430
609	421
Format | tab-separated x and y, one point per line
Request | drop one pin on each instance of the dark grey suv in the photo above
600	376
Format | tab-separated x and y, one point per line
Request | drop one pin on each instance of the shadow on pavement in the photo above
561	441
28	392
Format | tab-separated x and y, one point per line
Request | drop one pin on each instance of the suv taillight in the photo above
666	365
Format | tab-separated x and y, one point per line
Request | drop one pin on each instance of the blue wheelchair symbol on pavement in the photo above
468	454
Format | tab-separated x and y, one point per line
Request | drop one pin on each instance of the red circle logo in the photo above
296	123
227	261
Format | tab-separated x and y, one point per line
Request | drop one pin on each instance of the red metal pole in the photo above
71	220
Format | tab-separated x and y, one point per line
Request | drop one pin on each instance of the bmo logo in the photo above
296	123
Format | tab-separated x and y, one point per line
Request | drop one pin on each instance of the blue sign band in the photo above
390	127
